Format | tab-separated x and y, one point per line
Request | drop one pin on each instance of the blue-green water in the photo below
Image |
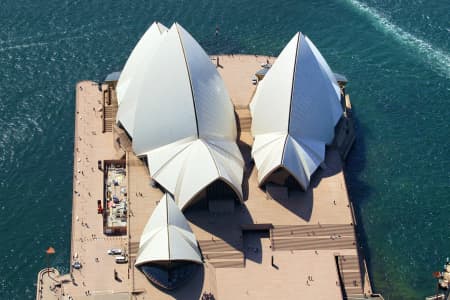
395	54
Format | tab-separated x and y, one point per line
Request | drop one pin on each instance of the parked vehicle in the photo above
115	251
121	259
76	265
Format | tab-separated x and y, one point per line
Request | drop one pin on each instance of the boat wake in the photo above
437	58
22	46
41	44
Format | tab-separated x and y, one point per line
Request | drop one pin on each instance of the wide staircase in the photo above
312	237
110	107
244	118
132	253
134	248
220	254
350	276
109	118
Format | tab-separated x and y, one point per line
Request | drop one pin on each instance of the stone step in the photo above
215	246
312	244
312	230
108	125
134	248
244	118
350	266
228	264
110	114
224	255
349	263
356	294
350	276
348	259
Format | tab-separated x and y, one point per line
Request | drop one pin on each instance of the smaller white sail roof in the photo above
133	75
294	111
187	166
167	236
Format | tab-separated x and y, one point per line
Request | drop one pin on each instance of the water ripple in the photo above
437	58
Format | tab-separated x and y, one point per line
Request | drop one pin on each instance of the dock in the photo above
280	244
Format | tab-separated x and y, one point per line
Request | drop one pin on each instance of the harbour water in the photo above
394	53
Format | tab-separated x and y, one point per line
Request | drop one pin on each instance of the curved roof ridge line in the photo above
238	193
304	163
178	232
220	176
218	148
284	145
182	232
297	50
212	156
284	167
281	134
189	76
170	159
296	178
159	24
312	154
179	181
217	137
167	226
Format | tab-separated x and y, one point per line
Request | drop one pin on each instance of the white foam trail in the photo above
41	44
23	46
435	57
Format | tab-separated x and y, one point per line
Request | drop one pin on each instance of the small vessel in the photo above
443	277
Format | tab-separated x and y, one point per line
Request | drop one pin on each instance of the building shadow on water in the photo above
358	190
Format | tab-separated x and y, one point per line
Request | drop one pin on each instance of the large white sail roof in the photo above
133	76
184	120
294	111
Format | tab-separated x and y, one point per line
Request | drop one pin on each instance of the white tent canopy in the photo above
167	236
183	119
294	111
133	75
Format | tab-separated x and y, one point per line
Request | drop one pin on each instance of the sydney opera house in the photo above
176	109
180	118
232	184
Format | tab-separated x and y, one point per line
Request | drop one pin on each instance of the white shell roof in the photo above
184	120
167	236
294	111
133	75
186	167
